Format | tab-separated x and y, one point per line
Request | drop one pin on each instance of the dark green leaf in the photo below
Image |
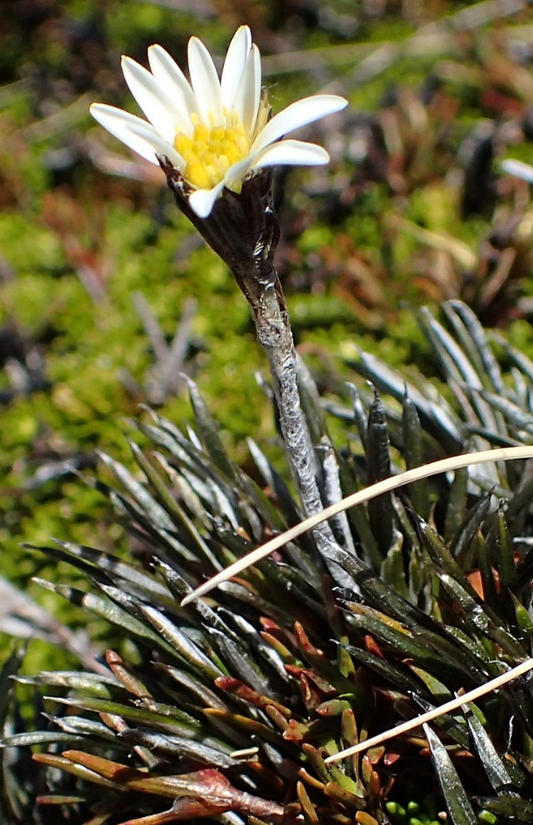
457	802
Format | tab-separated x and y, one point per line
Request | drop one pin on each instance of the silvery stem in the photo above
275	336
243	230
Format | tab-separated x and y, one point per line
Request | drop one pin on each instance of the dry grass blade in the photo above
444	465
465	698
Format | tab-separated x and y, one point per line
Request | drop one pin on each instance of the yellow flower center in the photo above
210	151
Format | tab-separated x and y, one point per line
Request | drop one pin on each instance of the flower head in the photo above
215	132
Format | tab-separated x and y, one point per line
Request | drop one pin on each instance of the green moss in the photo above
31	250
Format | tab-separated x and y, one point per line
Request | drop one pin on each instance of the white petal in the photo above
170	77
248	95
120	123
298	114
203	200
292	152
236	173
156	105
205	82
147	133
236	57
518	168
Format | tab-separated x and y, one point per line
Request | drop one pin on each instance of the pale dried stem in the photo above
387	485
459	702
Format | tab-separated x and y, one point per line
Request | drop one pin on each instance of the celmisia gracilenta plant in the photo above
216	141
215	132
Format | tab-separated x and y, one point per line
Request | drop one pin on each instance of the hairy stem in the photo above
275	336
265	295
243	230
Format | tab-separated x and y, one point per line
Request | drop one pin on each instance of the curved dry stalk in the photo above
387	485
430	715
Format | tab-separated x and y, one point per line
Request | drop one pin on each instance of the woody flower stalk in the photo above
216	142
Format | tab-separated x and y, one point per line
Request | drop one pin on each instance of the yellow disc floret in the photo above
211	150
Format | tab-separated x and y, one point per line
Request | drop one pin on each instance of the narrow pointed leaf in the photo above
457	802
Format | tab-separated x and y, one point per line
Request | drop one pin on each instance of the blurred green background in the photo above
99	271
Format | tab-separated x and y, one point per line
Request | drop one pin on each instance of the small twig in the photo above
168	374
22	617
62	120
202	8
165	378
151	327
371	59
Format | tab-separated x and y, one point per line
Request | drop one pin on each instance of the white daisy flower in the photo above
216	132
